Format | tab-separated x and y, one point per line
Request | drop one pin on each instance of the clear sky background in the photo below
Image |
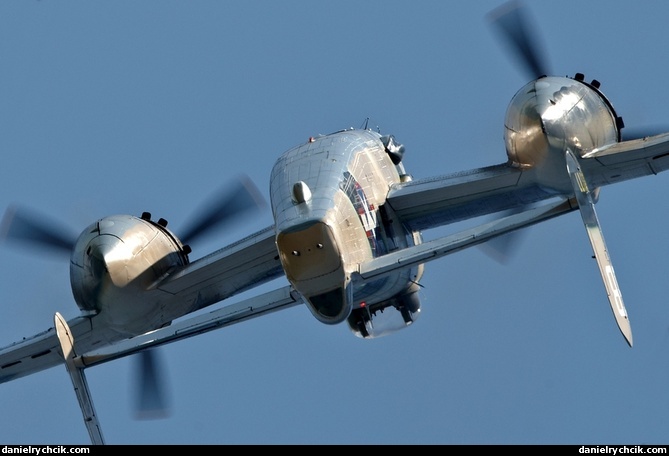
125	107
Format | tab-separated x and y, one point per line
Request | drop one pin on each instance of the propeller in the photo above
502	248
38	232
239	198
512	20
151	395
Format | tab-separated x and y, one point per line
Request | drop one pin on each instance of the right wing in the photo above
43	351
34	354
427	203
437	248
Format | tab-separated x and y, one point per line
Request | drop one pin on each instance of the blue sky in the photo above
124	107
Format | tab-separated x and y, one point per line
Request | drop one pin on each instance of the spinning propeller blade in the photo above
66	340
152	402
512	21
20	224
502	248
238	199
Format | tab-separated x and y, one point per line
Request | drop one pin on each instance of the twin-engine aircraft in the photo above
347	231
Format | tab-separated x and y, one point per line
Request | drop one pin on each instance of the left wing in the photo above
436	201
437	248
431	202
626	160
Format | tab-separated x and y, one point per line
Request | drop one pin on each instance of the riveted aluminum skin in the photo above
322	241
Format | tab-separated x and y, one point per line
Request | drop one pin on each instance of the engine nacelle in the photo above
114	265
552	114
387	317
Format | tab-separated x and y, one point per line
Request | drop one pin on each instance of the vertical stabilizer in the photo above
78	380
587	207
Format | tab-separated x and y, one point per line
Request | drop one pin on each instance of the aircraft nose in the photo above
309	251
312	261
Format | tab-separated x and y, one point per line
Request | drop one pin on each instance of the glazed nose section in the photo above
313	264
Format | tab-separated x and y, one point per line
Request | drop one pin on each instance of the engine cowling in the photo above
552	114
114	265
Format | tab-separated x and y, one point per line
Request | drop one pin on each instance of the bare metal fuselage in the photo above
328	200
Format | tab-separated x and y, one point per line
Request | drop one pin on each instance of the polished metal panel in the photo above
550	115
116	261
